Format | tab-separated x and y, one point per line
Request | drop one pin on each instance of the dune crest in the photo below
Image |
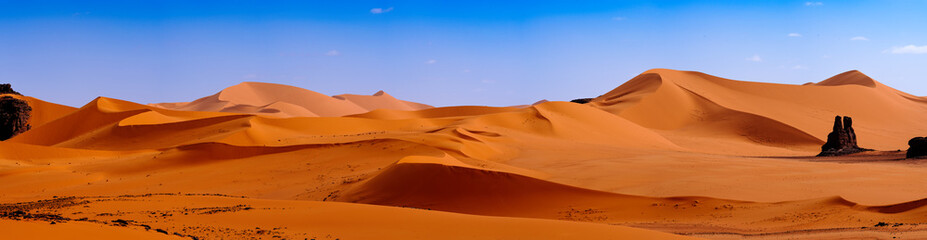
287	101
849	77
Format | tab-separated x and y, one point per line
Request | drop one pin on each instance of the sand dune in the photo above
44	112
444	183
287	101
670	151
788	116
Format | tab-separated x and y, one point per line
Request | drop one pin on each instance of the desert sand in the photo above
270	99
666	155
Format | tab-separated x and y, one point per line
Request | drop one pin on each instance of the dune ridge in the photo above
849	77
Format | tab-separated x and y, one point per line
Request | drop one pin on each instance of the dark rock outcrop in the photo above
917	147
6	88
14	116
582	100
842	140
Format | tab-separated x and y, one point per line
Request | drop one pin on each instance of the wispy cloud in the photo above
859	38
799	67
381	10
80	13
332	53
619	18
794	35
431	61
814	4
909	49
755	58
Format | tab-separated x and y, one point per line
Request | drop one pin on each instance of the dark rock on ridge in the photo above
14	116
582	100
842	140
6	88
917	147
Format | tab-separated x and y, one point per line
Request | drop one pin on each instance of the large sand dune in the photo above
788	116
668	151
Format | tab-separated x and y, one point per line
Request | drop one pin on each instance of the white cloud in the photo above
619	18
755	58
380	10
813	4
859	38
431	61
794	35
798	67
332	53
910	49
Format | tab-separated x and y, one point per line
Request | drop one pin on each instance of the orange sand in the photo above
668	151
286	101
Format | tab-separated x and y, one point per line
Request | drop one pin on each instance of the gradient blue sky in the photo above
442	52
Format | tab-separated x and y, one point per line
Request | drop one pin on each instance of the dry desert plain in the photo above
666	155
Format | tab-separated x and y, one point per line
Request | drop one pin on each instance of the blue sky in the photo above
445	53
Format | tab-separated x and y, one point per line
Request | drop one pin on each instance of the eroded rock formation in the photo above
842	140
14	116
6	88
582	100
917	147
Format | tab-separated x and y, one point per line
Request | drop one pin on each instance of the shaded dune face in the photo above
440	184
672	151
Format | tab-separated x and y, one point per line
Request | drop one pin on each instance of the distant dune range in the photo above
286	101
667	152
